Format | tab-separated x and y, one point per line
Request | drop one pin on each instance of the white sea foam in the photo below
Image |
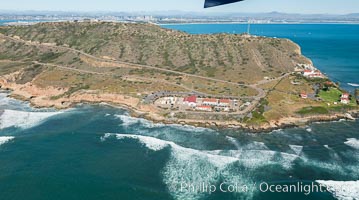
297	149
22	119
255	146
128	121
342	190
353	84
253	159
334	165
195	166
352	142
277	131
234	141
187	165
158	144
150	142
190	128
3	99
5	139
106	136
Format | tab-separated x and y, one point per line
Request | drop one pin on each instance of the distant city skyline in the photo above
248	6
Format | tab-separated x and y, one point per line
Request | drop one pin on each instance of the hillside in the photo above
228	57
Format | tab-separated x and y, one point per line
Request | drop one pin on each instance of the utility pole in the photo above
249	27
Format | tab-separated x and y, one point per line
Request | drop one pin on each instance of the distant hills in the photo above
172	16
175	13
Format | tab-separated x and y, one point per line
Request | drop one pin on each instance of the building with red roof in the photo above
224	102
191	101
345	98
304	95
345	95
313	73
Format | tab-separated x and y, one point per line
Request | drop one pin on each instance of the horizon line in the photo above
183	11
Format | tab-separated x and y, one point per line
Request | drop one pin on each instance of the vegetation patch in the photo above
331	95
313	111
71	91
49	56
29	74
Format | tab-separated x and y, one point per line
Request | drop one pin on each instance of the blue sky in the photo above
248	6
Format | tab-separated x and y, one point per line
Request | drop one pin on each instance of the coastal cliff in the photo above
62	64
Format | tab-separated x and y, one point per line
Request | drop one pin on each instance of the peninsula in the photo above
232	80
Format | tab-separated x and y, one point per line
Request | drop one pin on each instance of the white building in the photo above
210	102
204	108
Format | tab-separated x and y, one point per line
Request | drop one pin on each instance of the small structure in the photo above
304	95
329	84
190	101
204	108
345	95
210	102
224	103
312	73
344	99
307	72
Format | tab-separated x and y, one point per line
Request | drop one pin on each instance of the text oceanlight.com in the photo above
264	187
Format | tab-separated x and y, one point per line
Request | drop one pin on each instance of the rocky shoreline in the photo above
41	98
266	128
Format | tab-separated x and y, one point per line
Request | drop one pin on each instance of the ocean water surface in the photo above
99	152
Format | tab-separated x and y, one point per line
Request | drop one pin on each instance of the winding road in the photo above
256	99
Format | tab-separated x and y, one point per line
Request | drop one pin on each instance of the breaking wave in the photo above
188	165
237	165
296	149
309	129
353	84
335	164
5	139
342	190
352	142
128	121
23	119
234	141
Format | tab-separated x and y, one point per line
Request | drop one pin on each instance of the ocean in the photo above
7	22
99	152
